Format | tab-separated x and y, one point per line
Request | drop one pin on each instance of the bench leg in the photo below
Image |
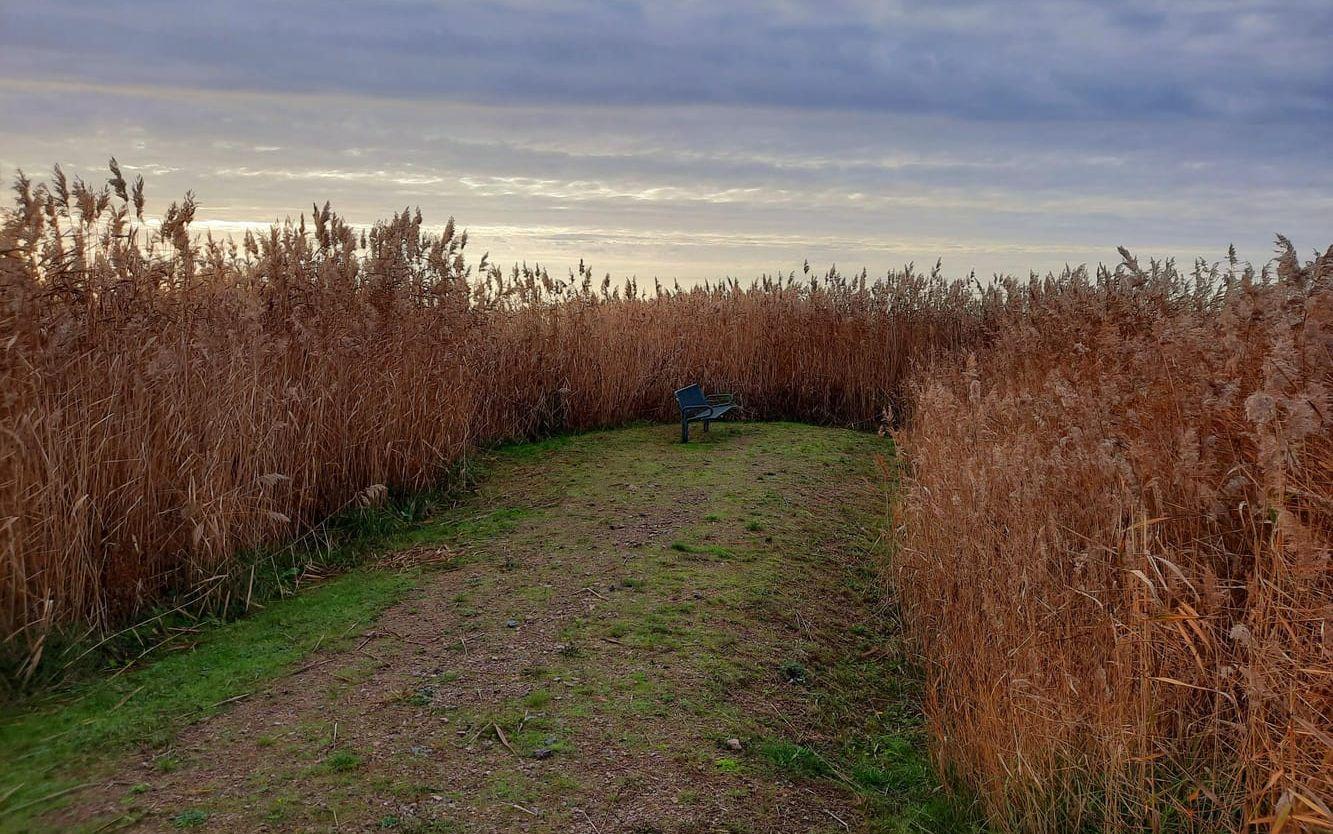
707	423
684	431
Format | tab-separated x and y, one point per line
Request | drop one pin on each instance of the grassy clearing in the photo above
703	612
743	550
137	475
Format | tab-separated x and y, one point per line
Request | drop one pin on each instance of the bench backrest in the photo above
691	396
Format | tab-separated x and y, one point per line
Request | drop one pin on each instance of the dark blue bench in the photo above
695	407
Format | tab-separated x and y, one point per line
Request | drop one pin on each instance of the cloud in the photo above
1020	59
690	138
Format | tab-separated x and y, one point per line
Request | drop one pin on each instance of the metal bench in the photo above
696	407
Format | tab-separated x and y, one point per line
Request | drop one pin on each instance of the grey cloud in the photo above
1021	59
693	139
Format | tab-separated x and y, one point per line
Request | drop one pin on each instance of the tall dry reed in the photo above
1116	552
170	404
1116	523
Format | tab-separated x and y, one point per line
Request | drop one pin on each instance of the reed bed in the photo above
1116	552
172	404
1118	492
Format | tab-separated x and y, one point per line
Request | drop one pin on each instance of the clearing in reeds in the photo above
1115	526
174	404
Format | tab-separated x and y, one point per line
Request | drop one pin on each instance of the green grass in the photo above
727	764
52	740
342	761
192	818
711	550
56	741
55	735
339	544
793	758
878	747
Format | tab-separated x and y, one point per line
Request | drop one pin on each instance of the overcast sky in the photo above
702	139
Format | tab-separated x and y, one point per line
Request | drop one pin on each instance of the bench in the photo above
695	407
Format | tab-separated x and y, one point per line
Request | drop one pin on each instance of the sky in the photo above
694	140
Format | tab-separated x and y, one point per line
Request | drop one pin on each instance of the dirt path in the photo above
637	636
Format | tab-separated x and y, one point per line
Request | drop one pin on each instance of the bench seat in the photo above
696	407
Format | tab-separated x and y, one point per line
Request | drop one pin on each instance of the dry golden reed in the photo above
172	403
1116	552
1115	527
